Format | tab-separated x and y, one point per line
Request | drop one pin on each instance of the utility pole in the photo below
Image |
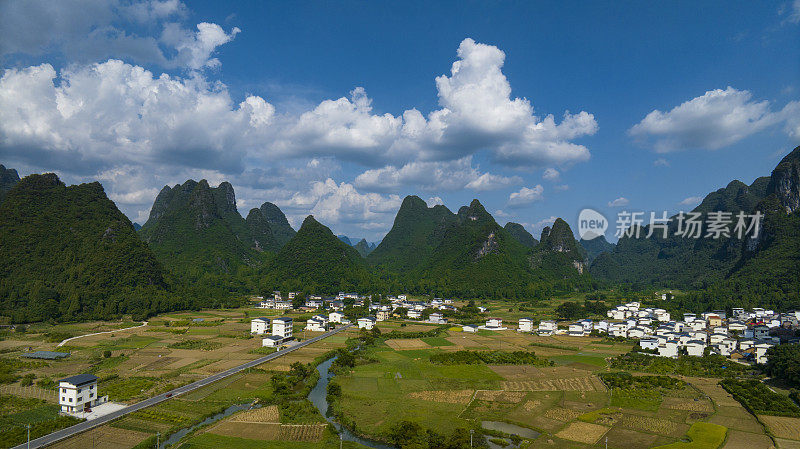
158	440
340	439
471	431
29	435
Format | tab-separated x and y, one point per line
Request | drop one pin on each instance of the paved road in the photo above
98	333
86	425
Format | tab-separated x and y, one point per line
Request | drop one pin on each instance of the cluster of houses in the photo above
276	331
745	335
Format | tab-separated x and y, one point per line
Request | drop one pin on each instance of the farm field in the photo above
172	350
568	403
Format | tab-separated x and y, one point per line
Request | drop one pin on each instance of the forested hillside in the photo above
68	253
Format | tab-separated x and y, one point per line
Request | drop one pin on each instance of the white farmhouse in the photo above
469	328
525	325
335	317
259	326
282	327
78	393
761	351
366	323
314	324
436	317
547	328
415	314
382	315
668	348
576	330
695	347
493	324
649	343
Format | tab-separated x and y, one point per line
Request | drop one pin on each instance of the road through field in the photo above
86	425
99	333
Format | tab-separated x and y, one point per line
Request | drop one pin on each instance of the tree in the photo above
783	362
569	310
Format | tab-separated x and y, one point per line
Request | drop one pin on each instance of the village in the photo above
744	336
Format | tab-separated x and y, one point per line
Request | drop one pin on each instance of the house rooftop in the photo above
80	379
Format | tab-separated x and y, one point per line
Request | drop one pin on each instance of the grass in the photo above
437	341
702	435
648	400
594	360
210	440
125	389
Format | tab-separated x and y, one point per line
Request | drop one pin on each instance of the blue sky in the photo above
341	109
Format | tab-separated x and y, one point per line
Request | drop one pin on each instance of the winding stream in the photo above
318	397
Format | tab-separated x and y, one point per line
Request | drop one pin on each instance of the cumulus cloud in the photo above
91	30
619	202
341	204
551	174
477	113
691	201
711	121
525	196
433	176
113	113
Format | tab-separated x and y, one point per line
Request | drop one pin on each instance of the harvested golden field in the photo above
516	372
648	424
787	444
569	384
443	396
583	432
255	431
747	440
620	437
105	437
688	404
512	397
302	432
746	423
267	414
562	414
404	344
782	426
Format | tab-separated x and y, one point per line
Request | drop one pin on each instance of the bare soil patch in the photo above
404	344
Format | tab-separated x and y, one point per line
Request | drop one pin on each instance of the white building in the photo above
695	348
436	317
335	317
547	328
576	330
525	325
382	315
668	348
415	314
469	328
259	326
271	341
366	323
78	393
283	305
761	352
282	327
495	324
317	324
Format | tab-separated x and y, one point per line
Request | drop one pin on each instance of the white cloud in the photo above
791	116
525	196
434	201
433	176
561	187
113	113
661	162
92	30
540	225
794	12
619	202
194	49
711	121
551	174
691	201
337	204
477	113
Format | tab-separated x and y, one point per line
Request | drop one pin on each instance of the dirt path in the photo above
99	333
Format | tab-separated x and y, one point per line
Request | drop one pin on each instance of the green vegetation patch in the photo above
437	341
712	365
124	389
703	435
648	400
759	399
489	358
202	345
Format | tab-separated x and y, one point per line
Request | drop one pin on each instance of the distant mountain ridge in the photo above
521	234
8	179
765	270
